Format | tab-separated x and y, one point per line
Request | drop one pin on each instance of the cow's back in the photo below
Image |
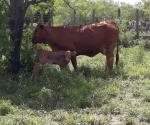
85	40
95	38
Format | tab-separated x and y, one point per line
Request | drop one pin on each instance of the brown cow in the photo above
62	58
86	40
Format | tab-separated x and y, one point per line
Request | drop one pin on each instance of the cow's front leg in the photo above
109	61
74	62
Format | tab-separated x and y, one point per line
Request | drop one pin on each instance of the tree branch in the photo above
33	2
7	3
68	4
73	8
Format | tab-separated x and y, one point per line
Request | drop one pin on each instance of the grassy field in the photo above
89	96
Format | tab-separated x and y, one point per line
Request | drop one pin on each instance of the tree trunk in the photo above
16	26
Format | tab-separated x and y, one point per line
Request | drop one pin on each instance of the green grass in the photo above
88	96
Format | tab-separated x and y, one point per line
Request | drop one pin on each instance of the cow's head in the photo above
40	34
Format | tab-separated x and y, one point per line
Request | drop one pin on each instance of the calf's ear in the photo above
67	56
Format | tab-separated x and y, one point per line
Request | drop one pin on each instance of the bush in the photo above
63	89
27	50
139	55
126	39
22	119
146	96
45	97
9	86
147	45
145	116
5	107
130	121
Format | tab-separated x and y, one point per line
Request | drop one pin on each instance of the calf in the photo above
61	58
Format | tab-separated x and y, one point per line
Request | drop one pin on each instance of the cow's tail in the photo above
117	49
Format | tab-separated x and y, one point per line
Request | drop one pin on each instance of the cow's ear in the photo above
67	56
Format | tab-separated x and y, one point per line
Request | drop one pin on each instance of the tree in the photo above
146	8
4	39
18	10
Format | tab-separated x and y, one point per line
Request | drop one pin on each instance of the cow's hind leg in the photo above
74	62
109	60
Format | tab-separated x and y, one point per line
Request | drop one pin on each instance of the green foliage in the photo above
71	89
4	33
129	121
5	107
45	95
146	8
43	7
79	117
145	115
146	96
127	39
84	10
146	45
7	84
30	89
127	12
140	54
22	118
111	109
27	51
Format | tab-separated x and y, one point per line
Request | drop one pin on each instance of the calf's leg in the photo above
35	72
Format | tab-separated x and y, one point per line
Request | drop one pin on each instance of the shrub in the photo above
45	97
127	39
146	45
30	90
130	121
5	107
27	51
145	115
9	85
139	55
146	96
65	88
22	119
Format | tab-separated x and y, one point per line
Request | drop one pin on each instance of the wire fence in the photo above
138	24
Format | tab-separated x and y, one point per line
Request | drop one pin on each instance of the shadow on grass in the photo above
101	73
55	89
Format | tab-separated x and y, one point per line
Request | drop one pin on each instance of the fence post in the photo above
93	15
119	13
41	20
137	24
74	16
50	19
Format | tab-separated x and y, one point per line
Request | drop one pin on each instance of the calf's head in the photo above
62	58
